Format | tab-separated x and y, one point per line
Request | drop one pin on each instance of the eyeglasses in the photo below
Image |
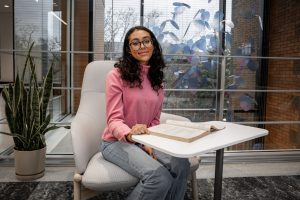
136	45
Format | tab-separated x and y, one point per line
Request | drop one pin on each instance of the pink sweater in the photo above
127	106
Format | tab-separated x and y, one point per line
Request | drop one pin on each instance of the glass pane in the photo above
243	39
201	83
6	65
120	16
45	24
188	35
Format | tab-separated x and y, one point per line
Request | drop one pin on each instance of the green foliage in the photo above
26	108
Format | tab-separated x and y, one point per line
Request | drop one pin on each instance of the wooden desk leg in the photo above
218	174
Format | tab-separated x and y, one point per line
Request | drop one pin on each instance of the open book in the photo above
184	131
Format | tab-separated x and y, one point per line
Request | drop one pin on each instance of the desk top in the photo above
231	135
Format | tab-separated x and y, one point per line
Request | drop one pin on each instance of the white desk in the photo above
231	135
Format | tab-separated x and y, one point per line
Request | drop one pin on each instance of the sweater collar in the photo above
145	68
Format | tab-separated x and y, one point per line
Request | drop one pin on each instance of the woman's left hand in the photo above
150	151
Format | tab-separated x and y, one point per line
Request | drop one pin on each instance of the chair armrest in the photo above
86	137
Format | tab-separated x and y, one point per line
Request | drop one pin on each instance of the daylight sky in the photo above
165	8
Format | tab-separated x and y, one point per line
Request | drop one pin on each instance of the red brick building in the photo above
284	74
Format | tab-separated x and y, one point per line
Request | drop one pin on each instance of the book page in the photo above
180	133
196	125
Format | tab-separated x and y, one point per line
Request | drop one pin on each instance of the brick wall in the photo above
63	63
81	22
99	30
81	39
284	41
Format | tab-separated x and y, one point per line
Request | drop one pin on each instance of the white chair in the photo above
92	170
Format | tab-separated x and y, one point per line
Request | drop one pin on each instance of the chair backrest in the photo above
90	120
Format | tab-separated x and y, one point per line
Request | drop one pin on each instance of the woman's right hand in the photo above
137	129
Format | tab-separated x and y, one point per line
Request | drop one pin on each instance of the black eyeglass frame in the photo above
140	43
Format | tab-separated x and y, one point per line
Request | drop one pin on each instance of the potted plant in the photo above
26	104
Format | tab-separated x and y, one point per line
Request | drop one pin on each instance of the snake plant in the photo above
26	106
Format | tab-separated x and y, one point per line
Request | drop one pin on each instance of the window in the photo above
223	62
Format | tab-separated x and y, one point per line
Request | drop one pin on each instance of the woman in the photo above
134	97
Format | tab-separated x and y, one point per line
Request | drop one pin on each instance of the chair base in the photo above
86	193
77	186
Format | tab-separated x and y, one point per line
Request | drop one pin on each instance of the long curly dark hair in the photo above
130	68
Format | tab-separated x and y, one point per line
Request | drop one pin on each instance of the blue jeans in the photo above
164	178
